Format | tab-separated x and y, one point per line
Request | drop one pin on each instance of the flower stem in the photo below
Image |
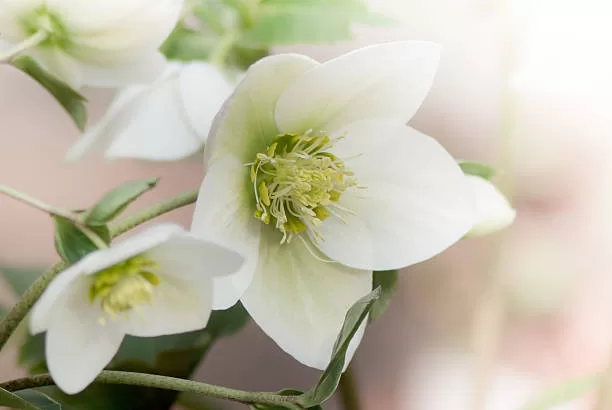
168	383
348	391
14	317
30	42
152	212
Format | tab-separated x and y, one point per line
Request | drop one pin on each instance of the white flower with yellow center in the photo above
313	176
158	282
166	120
98	43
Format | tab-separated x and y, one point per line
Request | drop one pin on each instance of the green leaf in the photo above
115	201
305	21
71	243
32	354
563	393
40	400
13	401
387	280
328	382
480	170
70	100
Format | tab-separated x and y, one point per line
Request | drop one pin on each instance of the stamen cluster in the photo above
297	183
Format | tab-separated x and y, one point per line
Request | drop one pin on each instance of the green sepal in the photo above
477	169
116	200
69	99
327	384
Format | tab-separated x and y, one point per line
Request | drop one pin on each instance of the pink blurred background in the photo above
524	85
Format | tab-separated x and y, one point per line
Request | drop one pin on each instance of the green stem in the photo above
25	45
14	317
348	391
221	51
10	322
168	383
153	211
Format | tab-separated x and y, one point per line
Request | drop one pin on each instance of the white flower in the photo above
99	43
313	176
158	282
166	120
491	208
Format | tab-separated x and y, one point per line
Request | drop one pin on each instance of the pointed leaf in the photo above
70	100
387	280
71	243
328	382
13	401
115	201
40	400
480	170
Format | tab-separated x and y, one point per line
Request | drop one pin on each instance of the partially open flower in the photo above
312	174
99	43
168	119
156	283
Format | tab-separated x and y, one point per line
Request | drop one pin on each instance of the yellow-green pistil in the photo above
297	183
122	287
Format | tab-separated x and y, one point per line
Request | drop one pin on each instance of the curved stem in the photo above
21	309
38	204
153	211
348	391
25	45
168	383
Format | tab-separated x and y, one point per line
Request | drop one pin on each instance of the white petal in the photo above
386	81
301	302
142	70
203	90
492	210
224	214
135	245
91	16
99	136
188	257
246	125
56	290
77	346
156	127
11	12
415	204
60	65
177	306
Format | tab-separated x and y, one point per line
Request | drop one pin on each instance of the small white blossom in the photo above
156	283
312	174
492	211
166	120
98	43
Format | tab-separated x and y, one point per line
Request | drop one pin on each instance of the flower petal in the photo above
386	81
300	301
177	306
415	203
203	89
39	317
492	210
246	123
77	346
144	69
223	214
60	65
188	257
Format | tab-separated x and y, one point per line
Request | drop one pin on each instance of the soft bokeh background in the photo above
524	85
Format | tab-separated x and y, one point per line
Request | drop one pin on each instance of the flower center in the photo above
124	286
297	183
42	19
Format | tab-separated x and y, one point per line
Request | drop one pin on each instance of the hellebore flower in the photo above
158	282
98	43
313	176
492	210
166	120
